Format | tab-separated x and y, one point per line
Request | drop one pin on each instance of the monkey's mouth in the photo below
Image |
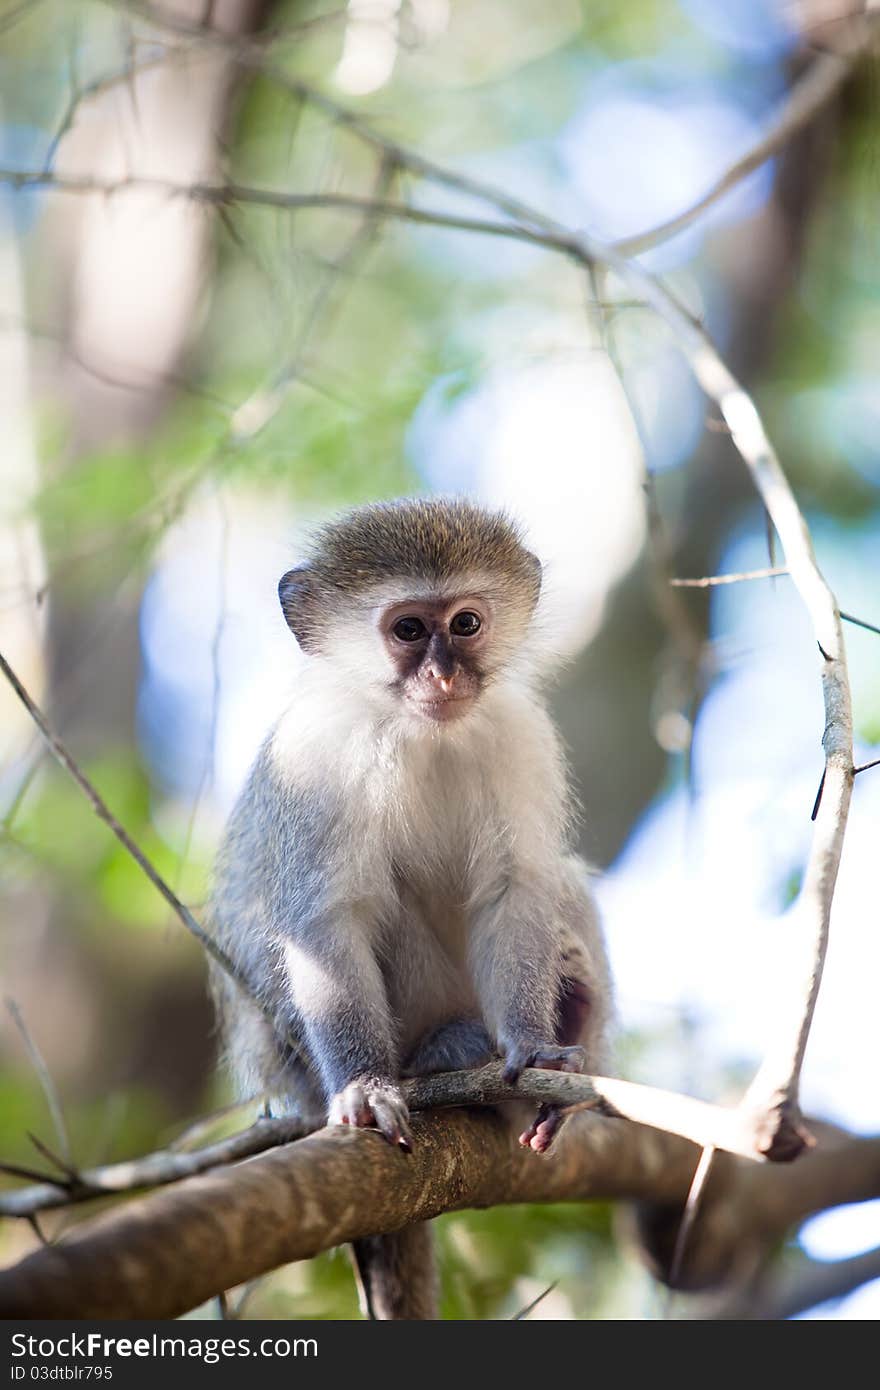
444	709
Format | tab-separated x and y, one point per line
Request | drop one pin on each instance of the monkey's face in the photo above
439	651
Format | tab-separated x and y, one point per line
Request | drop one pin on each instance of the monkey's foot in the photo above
543	1129
454	1046
372	1103
547	1056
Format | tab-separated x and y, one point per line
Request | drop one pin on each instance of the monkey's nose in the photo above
443	677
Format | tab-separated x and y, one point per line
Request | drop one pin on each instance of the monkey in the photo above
397	875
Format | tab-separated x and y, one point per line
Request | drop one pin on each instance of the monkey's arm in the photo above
517	961
340	1008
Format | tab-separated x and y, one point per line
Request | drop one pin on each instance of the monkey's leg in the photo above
396	1275
454	1046
575	1021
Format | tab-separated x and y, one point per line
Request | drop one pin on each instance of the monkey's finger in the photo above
389	1117
559	1059
528	1135
543	1130
350	1107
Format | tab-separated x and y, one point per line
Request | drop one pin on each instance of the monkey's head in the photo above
417	604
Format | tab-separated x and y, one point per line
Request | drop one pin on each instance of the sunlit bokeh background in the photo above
184	391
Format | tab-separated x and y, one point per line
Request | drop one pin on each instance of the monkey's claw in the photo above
549	1057
373	1104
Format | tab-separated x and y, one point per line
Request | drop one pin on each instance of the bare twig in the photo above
207	769
24	784
685	639
153	1170
34	1223
702	1123
772	1099
807	98
710	581
860	622
530	1307
19	1170
223	194
81	95
102	810
202	30
67	1169
689	1215
259	408
50	1091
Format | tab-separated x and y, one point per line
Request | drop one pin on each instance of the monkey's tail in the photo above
396	1274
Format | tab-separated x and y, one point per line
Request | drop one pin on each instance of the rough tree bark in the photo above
166	1253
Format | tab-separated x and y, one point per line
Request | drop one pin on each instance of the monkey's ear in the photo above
295	590
538	573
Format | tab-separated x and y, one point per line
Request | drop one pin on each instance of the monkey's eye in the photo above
465	624
409	629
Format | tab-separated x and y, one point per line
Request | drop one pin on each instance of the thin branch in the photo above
772	1099
152	1170
262	405
173	22
806	99
33	1222
206	773
102	810
865	766
25	783
67	1169
50	1091
702	1123
530	1307
860	622
811	93
19	1170
689	1214
223	194
147	381
685	675
710	581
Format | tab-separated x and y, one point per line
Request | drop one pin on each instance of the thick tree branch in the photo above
163	1254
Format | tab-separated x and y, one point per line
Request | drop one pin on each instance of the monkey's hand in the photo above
372	1102
548	1056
